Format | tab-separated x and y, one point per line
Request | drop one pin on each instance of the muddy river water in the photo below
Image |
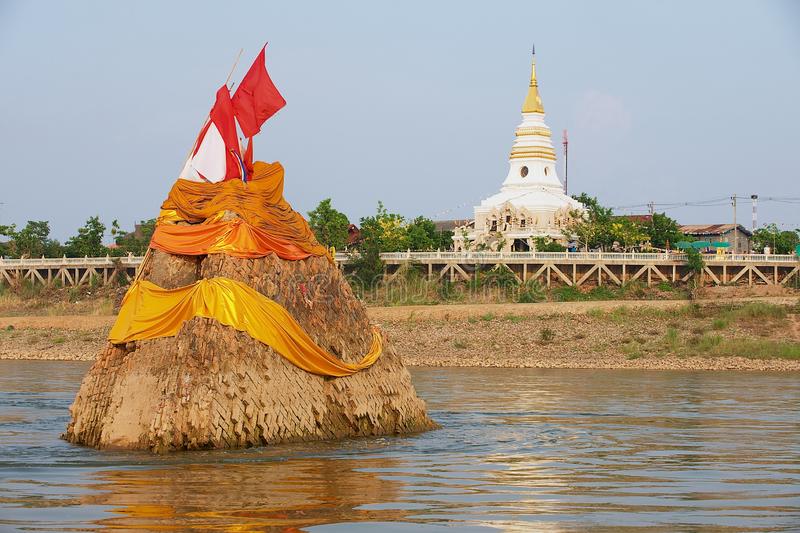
520	450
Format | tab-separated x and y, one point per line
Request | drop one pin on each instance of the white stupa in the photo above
531	203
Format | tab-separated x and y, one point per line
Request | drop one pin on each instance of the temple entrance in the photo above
520	245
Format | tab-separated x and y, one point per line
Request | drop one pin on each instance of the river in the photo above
521	450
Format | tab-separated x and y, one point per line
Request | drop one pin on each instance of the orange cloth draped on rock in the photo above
260	203
234	237
149	311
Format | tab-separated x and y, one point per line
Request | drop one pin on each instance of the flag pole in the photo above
149	253
233	68
227	80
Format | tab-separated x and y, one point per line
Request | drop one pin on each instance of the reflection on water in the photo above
521	450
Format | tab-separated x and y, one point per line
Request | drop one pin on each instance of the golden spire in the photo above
533	102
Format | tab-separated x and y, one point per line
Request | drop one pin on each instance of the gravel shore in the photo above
632	335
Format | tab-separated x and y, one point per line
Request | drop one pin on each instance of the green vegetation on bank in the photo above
754	330
34	240
596	228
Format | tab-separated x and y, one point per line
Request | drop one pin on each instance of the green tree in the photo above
628	232
422	234
386	231
663	230
88	241
31	241
547	245
780	242
135	242
592	227
329	225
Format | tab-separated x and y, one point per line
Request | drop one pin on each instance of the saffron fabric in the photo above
259	202
149	311
234	237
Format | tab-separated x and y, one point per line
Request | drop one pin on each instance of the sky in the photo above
409	103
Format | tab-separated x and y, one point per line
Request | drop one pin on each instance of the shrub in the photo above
531	292
546	335
568	293
500	277
603	292
29	289
666	286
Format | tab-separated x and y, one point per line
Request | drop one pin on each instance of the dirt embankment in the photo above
710	335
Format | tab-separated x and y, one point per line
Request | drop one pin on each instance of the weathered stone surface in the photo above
214	387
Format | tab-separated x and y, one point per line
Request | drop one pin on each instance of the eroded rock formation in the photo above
212	386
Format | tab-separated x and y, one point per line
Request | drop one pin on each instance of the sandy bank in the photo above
610	334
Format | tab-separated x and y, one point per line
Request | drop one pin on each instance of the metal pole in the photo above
735	227
754	197
566	161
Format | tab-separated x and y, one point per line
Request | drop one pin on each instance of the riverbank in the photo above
741	334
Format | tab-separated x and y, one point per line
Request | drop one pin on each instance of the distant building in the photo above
353	235
639	219
449	225
722	233
531	203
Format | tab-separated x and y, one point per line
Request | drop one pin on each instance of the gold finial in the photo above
533	102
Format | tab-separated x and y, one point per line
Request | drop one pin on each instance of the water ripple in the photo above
520	450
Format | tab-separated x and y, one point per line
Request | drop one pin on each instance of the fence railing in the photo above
73	262
579	256
465	257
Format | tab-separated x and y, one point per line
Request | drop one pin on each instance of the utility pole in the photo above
754	197
651	207
565	143
735	227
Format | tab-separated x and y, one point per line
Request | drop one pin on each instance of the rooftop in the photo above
712	229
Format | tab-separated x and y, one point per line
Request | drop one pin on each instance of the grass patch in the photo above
760	349
760	310
546	335
719	324
515	319
488	317
671	339
632	351
619	314
707	343
459	344
596	313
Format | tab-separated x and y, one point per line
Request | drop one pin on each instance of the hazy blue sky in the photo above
413	103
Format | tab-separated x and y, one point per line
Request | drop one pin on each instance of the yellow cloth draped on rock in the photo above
234	237
148	312
260	202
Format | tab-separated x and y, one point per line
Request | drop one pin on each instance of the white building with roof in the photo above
531	202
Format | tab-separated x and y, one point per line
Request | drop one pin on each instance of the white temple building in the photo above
531	202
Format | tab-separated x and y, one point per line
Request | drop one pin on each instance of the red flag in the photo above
257	98
222	116
216	155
